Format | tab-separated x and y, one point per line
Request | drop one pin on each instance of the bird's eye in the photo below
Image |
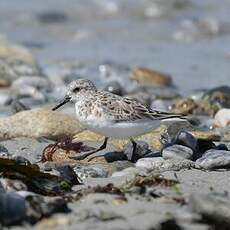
75	90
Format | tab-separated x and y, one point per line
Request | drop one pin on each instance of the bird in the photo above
111	115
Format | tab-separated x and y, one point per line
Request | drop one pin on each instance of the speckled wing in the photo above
118	108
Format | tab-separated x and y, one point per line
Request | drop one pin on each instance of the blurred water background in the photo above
189	39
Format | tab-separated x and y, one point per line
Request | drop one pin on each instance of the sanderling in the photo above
111	115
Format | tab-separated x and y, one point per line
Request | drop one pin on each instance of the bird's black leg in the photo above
134	149
83	156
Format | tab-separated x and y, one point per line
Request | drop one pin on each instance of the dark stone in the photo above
219	96
173	131
133	154
52	17
12	208
221	147
202	147
169	224
114	156
186	139
115	88
68	174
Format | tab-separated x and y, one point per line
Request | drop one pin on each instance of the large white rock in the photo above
222	118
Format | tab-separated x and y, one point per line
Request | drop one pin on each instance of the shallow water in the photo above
187	39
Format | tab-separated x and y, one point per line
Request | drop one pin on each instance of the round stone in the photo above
186	139
213	159
149	163
12	208
177	152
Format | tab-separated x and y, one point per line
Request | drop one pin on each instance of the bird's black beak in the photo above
61	103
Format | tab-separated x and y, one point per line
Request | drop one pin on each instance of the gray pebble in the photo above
90	171
177	152
18	106
52	17
149	163
160	165
114	87
215	159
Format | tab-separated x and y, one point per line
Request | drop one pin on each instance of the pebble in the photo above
11	70
185	106
158	164
149	163
175	128
12	208
222	118
218	97
5	97
177	152
142	148
202	147
225	134
12	52
115	88
214	159
186	139
18	106
90	171
27	85
206	135
150	76
6	75
49	17
38	123
222	147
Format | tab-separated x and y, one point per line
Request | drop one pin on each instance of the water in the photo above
187	39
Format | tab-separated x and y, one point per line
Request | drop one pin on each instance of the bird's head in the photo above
76	90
